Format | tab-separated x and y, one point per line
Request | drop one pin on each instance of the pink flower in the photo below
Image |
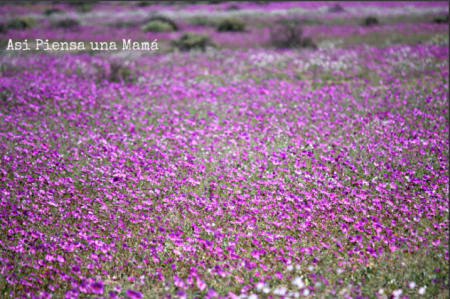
233	295
218	269
83	287
255	254
179	282
378	227
201	284
60	259
278	275
133	295
212	293
97	288
181	294
190	279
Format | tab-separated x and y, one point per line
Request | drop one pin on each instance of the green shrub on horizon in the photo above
66	23
203	21
370	21
288	34
157	26
51	11
21	23
192	41
162	19
231	25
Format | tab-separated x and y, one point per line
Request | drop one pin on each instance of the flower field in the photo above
242	171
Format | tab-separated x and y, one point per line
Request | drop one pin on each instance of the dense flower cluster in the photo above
237	174
170	174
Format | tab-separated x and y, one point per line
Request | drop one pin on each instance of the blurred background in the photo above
204	25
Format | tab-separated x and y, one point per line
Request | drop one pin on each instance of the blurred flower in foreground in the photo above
133	295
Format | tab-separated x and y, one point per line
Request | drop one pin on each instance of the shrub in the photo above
310	22
231	25
145	3
307	42
66	23
289	34
51	11
84	8
116	72
125	24
192	41
150	3
336	8
203	21
80	3
3	28
441	19
21	23
232	8
370	21
157	26
161	19
298	22
120	73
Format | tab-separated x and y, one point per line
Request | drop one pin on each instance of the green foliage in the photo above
203	21
231	25
233	7
117	72
80	3
21	23
396	270
3	28
170	2
439	39
145	3
215	2
157	26
51	11
192	41
84	8
66	23
120	73
370	21
288	33
309	22
307	42
336	8
441	19
150	3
